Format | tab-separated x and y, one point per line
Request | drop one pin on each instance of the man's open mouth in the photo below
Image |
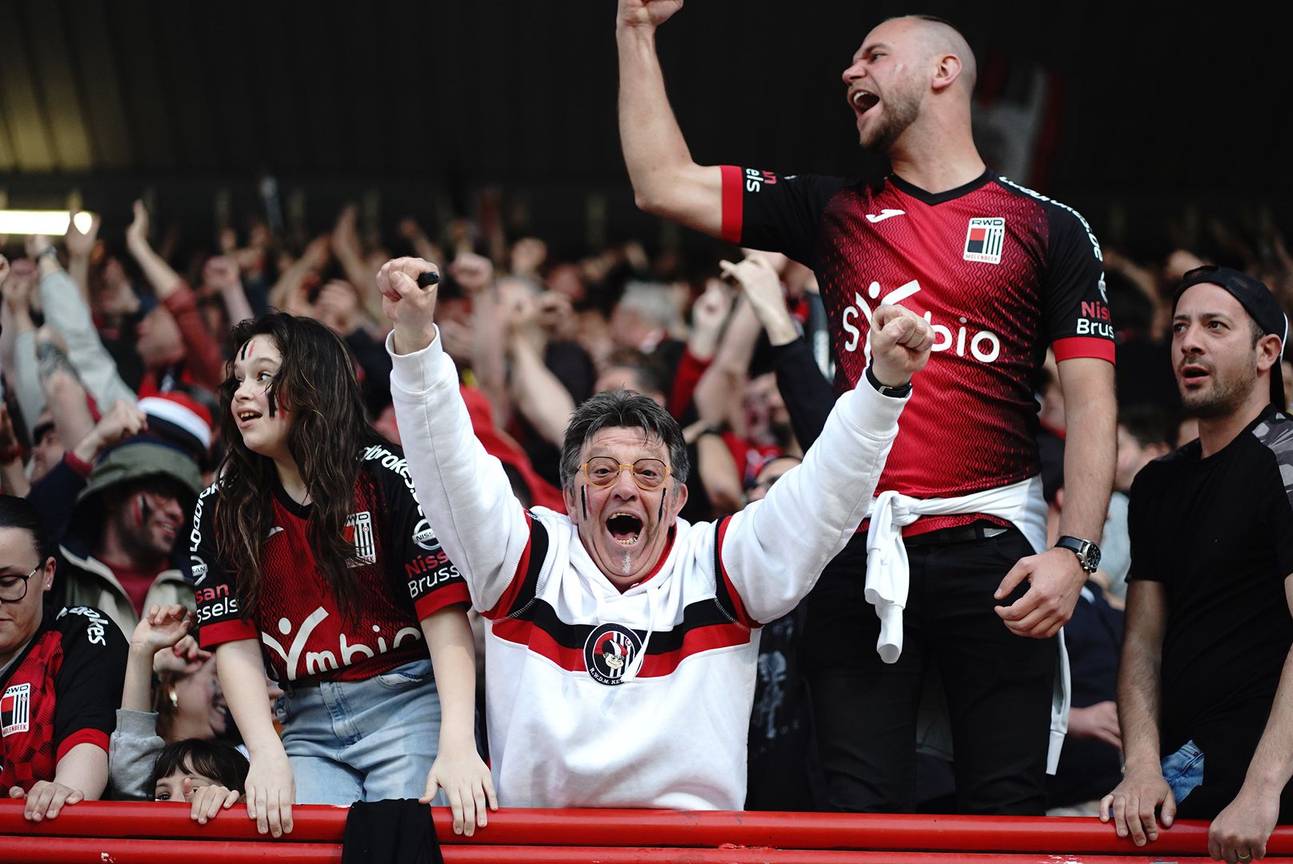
625	528
863	100
1193	372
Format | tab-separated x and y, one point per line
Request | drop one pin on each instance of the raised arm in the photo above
774	550
463	490
666	181
1140	695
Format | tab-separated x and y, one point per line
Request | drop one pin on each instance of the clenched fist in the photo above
900	344
647	14
410	307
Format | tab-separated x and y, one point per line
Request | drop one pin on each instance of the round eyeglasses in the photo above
648	474
14	588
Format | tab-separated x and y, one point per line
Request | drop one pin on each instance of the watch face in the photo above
1092	557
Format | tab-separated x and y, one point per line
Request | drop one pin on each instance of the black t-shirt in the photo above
1218	533
63	690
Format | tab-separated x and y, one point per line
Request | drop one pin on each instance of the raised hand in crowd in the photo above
13	480
161	628
4	270
80	244
708	314
473	272
646	14
122	421
221	274
761	286
409	306
528	255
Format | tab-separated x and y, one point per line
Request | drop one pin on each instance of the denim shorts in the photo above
1183	770
367	740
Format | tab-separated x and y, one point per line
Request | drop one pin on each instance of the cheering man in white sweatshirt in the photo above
621	640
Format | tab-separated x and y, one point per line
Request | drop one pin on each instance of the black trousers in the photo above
998	685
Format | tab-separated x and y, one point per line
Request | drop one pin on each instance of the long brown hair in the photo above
316	383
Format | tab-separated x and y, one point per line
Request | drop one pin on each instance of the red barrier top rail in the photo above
649	828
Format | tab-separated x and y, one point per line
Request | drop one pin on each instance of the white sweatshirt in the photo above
597	698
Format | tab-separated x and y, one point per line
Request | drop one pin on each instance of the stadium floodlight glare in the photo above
51	223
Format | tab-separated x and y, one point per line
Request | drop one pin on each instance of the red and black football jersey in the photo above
63	690
400	570
999	271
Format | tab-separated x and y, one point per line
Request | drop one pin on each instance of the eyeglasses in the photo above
602	471
14	588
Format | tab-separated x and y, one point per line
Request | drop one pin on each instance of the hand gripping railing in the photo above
107	832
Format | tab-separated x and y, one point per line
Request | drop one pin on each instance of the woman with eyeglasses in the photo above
60	678
310	551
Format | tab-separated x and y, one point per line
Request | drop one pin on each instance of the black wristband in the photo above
885	389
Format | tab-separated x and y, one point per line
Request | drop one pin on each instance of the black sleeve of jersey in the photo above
1075	308
1142	530
88	684
775	213
432	581
809	397
215	586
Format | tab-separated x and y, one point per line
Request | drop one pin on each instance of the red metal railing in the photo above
121	833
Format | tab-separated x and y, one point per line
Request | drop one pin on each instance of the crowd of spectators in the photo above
113	366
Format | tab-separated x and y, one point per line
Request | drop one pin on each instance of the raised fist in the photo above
900	344
648	14
409	306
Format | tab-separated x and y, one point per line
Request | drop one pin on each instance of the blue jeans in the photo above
1183	770
368	740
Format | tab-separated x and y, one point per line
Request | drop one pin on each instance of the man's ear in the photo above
50	566
946	71
1268	352
681	496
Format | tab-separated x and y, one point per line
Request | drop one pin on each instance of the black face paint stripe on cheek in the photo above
660	516
583	496
272	402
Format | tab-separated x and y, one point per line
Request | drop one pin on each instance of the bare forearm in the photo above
1090	455
84	768
78	267
65	398
453	657
653	143
236	303
13	480
719	474
538	394
158	273
137	692
242	678
1139	675
488	354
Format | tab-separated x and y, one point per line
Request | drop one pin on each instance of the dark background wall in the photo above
1153	110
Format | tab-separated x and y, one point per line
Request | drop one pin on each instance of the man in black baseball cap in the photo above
1257	301
1205	686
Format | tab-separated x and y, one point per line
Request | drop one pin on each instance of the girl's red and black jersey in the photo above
63	690
999	271
401	572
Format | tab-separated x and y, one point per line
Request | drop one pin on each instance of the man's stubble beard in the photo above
1226	397
900	113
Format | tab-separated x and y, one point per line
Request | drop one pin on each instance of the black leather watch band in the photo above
885	389
1088	553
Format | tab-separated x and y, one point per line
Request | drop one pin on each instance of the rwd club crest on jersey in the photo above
359	530
609	651
984	239
15	709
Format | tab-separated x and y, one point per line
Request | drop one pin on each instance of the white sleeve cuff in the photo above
414	372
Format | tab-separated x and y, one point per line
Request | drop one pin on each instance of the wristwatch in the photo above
1088	554
885	389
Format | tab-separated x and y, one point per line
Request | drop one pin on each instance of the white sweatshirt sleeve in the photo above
462	489
773	551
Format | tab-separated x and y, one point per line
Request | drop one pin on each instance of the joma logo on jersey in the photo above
754	179
983	345
984	239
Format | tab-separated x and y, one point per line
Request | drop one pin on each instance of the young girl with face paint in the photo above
310	553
